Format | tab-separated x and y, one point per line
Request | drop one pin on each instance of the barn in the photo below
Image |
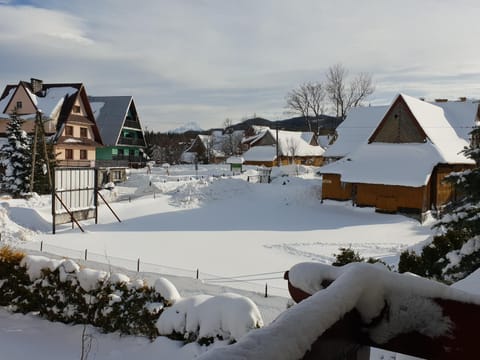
401	166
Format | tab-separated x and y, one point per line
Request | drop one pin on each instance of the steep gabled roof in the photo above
355	129
110	113
54	102
463	115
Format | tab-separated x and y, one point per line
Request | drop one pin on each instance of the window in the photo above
69	154
68	130
76	109
83	154
19	105
83	132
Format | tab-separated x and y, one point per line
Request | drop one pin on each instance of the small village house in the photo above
294	147
214	148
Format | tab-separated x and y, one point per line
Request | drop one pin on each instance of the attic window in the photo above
83	132
19	105
76	109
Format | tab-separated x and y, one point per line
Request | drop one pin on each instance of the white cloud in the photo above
186	49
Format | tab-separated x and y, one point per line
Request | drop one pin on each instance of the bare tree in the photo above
292	146
345	95
231	139
308	99
298	101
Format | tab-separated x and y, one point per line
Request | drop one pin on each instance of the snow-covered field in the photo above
235	233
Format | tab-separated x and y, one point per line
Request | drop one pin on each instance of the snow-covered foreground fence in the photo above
258	283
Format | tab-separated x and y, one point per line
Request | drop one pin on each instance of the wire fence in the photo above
266	283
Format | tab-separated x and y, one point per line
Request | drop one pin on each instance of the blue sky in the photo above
207	60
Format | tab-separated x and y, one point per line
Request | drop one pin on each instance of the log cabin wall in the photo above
334	189
392	198
443	192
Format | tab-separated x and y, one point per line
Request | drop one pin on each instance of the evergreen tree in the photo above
455	253
45	152
16	158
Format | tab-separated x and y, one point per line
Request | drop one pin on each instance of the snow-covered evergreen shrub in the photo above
54	289
453	255
59	290
16	159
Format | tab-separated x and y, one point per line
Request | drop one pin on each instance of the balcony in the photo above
131	141
76	163
132	124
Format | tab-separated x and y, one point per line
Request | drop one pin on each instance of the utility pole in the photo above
278	152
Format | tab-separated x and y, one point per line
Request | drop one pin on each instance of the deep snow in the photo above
223	226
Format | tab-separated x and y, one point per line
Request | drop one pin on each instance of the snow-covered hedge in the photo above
60	290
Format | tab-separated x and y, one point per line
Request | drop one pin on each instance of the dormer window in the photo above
19	105
83	132
76	109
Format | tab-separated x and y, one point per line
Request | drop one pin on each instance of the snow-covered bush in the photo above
60	291
453	255
205	318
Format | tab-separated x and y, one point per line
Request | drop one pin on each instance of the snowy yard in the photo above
236	233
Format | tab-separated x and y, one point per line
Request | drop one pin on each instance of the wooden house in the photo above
293	148
402	164
214	148
65	113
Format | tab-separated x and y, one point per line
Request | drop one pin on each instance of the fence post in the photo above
41	246
86	254
138	265
266	290
197	273
154	194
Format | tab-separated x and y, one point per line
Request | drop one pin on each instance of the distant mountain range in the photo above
324	124
191	126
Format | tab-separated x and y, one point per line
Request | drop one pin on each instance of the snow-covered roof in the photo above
295	143
388	164
235	160
110	113
51	104
289	142
408	164
4	102
261	153
462	115
356	129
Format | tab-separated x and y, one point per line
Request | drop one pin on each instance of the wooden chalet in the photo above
66	115
293	148
402	164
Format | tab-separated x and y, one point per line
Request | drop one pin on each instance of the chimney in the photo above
37	85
